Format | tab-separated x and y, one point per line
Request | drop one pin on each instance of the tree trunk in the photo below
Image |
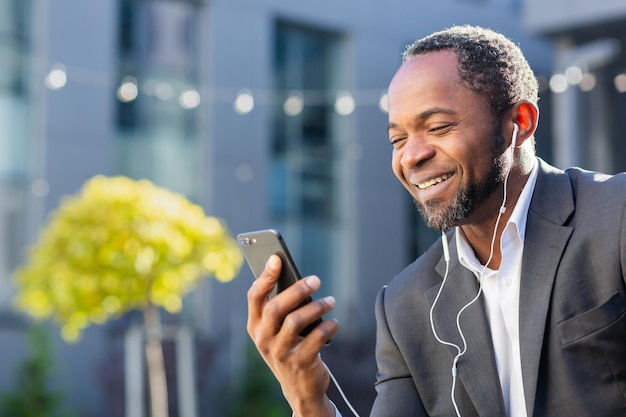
155	362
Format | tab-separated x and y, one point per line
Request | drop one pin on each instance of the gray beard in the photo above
466	200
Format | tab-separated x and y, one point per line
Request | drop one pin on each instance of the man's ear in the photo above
525	114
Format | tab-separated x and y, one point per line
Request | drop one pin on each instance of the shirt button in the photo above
506	280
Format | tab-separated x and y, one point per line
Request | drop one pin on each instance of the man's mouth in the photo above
433	181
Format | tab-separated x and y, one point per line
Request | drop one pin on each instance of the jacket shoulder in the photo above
595	189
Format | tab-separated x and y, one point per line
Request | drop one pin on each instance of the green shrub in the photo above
32	396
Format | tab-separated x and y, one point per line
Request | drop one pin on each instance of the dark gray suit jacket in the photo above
572	314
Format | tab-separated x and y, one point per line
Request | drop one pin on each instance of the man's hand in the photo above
274	327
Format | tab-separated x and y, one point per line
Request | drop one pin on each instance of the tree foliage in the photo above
116	246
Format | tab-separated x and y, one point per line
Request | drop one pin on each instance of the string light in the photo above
345	104
574	75
128	90
244	103
294	104
189	99
588	82
56	78
558	83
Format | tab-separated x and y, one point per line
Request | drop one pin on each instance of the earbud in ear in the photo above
514	135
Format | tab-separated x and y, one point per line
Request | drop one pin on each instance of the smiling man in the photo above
524	313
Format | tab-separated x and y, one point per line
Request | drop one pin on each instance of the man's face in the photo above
447	150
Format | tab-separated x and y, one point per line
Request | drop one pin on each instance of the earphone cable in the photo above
343	395
444	240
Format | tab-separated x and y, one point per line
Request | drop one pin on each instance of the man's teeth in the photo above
433	181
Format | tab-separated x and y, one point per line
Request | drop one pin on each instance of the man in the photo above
524	314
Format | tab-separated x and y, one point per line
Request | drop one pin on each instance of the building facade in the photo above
269	113
588	83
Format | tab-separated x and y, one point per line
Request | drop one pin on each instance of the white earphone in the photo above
446	256
514	135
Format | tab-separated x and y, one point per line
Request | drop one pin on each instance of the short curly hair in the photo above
490	64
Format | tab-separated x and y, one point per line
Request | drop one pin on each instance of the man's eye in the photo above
441	128
396	141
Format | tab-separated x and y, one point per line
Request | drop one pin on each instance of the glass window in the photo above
14	135
13	45
303	181
14	48
158	93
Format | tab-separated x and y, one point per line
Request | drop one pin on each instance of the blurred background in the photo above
268	113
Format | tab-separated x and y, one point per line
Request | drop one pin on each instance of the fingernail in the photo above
272	262
330	300
313	282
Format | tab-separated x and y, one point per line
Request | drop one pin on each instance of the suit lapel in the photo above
546	238
477	370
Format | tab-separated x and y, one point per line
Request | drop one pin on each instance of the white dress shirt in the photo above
501	293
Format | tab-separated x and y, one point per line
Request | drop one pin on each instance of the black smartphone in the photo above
257	247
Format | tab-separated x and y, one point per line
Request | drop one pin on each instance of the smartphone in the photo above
257	247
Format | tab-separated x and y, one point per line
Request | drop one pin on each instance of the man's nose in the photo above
415	151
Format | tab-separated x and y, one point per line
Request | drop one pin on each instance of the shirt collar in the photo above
520	211
517	221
